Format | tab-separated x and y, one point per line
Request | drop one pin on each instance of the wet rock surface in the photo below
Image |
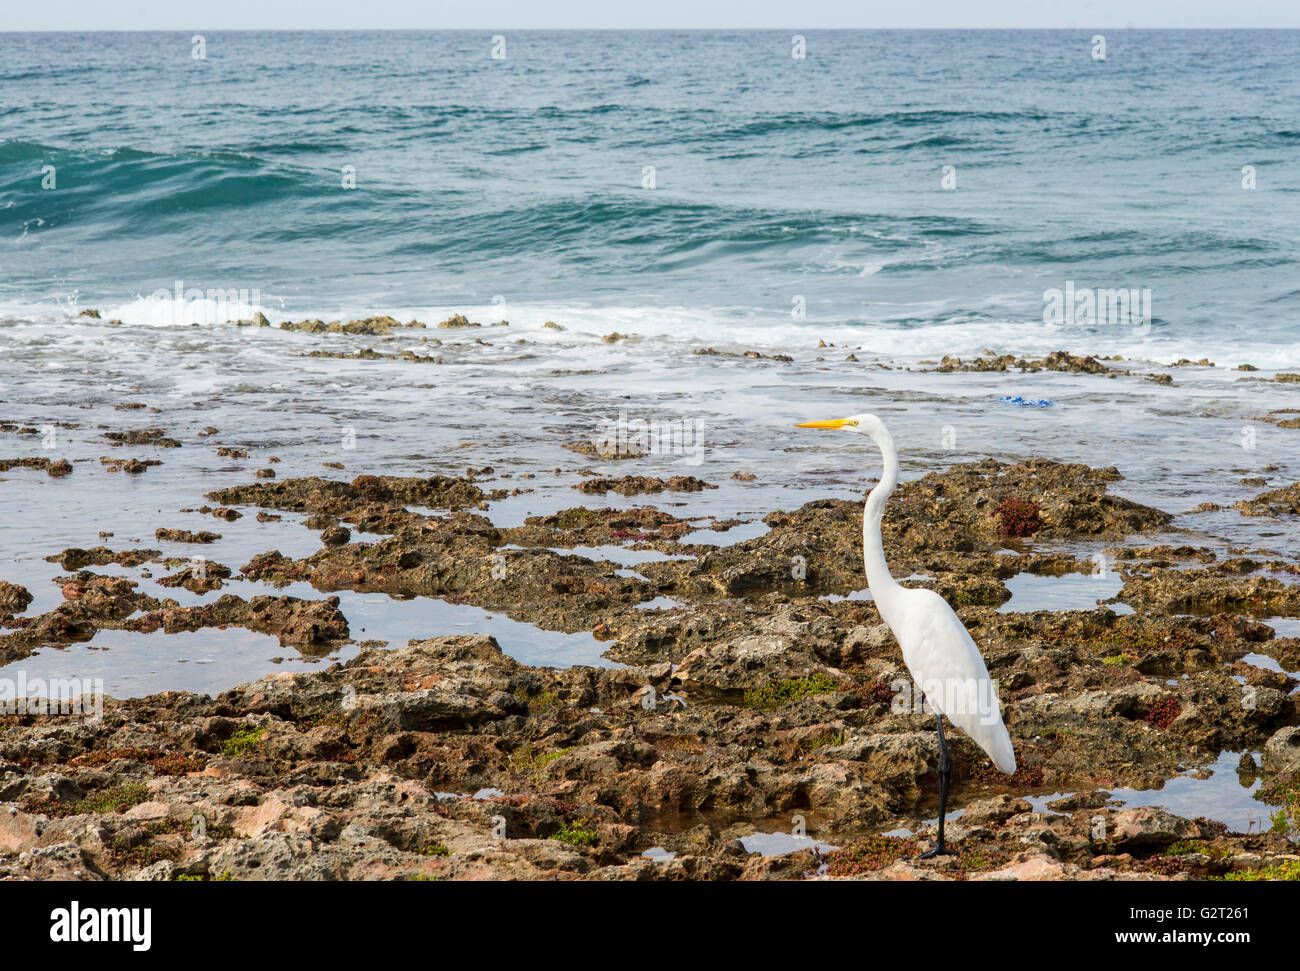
1277	502
1055	361
1224	587
369	326
13	598
762	694
142	436
53	467
631	485
447	759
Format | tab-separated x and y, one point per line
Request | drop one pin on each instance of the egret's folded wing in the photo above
948	668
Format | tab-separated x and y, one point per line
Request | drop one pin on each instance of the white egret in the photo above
943	660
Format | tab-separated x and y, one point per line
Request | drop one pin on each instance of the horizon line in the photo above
611	30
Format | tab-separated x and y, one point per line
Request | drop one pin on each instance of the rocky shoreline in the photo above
757	693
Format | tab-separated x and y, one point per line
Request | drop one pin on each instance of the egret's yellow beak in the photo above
833	423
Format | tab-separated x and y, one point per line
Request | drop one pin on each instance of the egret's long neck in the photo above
882	585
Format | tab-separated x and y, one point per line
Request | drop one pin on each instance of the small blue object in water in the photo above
1025	402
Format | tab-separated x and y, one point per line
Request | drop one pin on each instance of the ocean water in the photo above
792	202
790	197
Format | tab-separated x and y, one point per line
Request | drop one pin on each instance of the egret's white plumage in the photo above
947	667
939	653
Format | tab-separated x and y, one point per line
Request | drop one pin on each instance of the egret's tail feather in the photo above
1001	751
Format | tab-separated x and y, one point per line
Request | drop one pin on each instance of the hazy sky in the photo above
517	14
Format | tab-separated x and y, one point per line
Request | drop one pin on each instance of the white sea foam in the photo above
725	327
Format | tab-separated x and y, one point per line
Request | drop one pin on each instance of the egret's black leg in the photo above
945	772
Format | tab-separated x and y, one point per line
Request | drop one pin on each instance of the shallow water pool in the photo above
1071	591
